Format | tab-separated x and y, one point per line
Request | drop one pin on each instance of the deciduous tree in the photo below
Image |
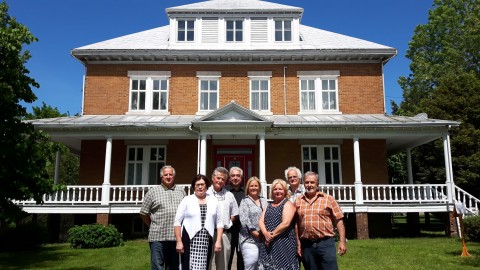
445	84
23	151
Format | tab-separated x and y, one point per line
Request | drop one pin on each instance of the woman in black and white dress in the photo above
197	217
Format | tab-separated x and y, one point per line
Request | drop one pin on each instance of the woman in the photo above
251	209
278	227
198	215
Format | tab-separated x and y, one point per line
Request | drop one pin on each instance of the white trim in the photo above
134	73
260	74
202	74
318	73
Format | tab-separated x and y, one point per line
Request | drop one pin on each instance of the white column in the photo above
409	166
448	168
106	175
263	174
358	173
57	168
203	154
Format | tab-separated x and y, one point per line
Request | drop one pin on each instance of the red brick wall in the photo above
107	87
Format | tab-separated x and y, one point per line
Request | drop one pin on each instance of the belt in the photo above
316	240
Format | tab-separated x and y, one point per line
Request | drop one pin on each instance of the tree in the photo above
69	163
445	84
23	152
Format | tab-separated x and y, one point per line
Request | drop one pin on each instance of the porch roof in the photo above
400	132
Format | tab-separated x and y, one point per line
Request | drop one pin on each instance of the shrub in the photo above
94	236
471	226
23	236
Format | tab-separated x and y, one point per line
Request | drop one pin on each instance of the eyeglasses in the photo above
293	177
235	175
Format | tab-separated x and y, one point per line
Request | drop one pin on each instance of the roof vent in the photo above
421	116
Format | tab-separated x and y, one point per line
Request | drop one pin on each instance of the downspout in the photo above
284	90
83	82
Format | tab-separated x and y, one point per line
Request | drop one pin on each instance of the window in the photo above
149	91
235	30
324	160
186	30
283	30
259	93
208	86
318	91
144	164
260	90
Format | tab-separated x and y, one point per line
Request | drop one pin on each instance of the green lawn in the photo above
396	253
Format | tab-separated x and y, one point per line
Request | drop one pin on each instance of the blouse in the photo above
249	216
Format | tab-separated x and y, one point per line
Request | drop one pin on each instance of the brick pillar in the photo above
451	229
362	225
103	219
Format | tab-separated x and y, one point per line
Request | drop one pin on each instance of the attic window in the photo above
186	30
283	30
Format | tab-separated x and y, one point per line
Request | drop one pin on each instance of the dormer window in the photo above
283	30
186	30
234	30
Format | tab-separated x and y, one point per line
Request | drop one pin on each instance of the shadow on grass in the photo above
41	257
472	261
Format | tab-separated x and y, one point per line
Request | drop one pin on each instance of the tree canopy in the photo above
445	83
23	161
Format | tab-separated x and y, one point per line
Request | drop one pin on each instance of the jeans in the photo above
164	255
320	254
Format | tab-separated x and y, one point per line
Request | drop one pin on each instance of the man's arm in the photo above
146	219
342	245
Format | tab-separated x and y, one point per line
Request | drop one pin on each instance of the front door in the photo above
242	157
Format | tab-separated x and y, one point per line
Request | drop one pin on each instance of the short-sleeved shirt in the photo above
294	195
317	216
228	204
161	203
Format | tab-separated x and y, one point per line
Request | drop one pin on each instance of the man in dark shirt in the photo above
236	187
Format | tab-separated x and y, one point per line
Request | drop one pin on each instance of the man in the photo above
229	214
158	213
236	188
318	213
295	189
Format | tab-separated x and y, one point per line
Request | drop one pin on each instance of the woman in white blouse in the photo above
198	215
251	209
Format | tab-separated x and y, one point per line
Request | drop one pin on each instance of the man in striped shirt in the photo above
318	213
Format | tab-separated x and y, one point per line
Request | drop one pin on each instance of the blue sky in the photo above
62	25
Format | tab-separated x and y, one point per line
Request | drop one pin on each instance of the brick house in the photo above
241	83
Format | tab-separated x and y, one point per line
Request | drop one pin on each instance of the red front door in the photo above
236	157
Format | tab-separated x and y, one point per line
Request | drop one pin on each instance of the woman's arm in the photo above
287	217
178	238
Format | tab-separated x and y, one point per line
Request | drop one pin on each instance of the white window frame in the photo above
143	171
149	91
185	29
209	76
260	76
317	79
283	30
321	162
234	30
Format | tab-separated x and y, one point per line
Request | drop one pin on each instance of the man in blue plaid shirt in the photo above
158	213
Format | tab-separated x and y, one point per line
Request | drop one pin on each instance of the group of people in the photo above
217	220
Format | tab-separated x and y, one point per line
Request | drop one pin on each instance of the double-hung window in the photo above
208	86
283	30
325	161
185	30
144	164
234	30
318	91
260	90
149	91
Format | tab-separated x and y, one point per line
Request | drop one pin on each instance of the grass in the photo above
395	253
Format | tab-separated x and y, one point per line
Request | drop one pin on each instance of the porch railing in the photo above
372	194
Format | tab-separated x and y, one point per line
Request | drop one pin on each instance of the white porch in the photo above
375	199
